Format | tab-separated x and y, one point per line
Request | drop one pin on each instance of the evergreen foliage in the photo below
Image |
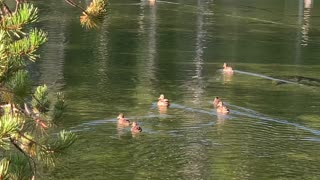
40	100
25	117
13	24
92	16
19	85
4	165
59	108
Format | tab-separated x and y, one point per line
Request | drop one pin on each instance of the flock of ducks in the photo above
135	128
220	107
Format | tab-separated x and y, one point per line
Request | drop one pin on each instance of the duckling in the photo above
162	101
135	128
221	108
227	68
216	101
122	120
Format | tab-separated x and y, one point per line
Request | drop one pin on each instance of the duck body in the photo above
227	68
135	128
122	120
221	108
162	101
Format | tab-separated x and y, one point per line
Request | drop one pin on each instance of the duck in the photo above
216	101
162	101
122	120
152	2
227	68
135	128
221	108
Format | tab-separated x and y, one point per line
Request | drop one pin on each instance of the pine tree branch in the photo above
18	2
27	45
77	6
42	147
17	44
34	167
25	14
5	9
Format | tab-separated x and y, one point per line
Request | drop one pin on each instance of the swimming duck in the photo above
221	108
135	128
227	68
122	120
216	101
152	2
162	101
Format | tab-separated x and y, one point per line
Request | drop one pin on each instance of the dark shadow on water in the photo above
296	80
303	80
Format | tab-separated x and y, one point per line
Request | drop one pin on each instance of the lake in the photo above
177	48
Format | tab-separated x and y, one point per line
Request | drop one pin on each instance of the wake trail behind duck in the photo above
242	111
256	115
84	126
265	77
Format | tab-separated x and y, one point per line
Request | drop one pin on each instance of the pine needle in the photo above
92	17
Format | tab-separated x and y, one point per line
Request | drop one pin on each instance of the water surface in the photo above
177	48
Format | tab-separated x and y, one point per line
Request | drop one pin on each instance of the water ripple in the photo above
251	114
236	111
265	77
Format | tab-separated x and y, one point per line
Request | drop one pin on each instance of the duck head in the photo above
161	97
220	104
134	124
216	100
225	65
120	116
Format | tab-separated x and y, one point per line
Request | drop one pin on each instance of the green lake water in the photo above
177	48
